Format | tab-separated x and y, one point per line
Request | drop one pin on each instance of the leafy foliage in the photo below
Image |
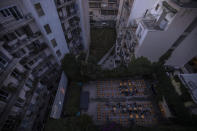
175	103
71	67
71	107
80	123
102	39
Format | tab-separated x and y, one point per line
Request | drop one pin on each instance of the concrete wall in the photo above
139	8
156	42
51	17
185	51
84	22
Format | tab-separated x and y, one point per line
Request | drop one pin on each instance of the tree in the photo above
71	67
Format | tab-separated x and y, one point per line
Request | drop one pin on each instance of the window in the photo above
112	1
58	53
157	7
47	28
163	24
95	5
3	62
12	11
91	13
54	43
5	12
139	33
15	73
109	12
39	9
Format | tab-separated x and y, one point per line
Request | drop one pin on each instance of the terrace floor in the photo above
125	102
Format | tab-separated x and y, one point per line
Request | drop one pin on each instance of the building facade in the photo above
74	20
34	37
161	27
103	10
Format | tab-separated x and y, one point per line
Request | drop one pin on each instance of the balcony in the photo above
114	7
95	0
50	70
25	42
7	71
66	18
38	48
37	69
13	25
63	4
13	100
38	52
149	22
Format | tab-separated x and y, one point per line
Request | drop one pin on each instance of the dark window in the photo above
95	5
3	13
58	53
7	12
3	62
17	12
157	7
109	12
54	43
47	28
39	9
112	1
14	13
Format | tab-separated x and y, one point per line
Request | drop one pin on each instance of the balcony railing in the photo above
13	25
65	3
22	43
96	0
6	111
36	69
7	71
66	18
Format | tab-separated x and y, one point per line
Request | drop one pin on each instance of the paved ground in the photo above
124	102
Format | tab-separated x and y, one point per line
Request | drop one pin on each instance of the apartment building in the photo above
124	12
125	37
103	10
166	27
73	16
34	37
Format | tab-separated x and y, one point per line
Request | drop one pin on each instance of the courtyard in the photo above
102	39
124	102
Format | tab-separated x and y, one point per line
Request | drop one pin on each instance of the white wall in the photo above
84	22
51	17
185	51
156	43
139	8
